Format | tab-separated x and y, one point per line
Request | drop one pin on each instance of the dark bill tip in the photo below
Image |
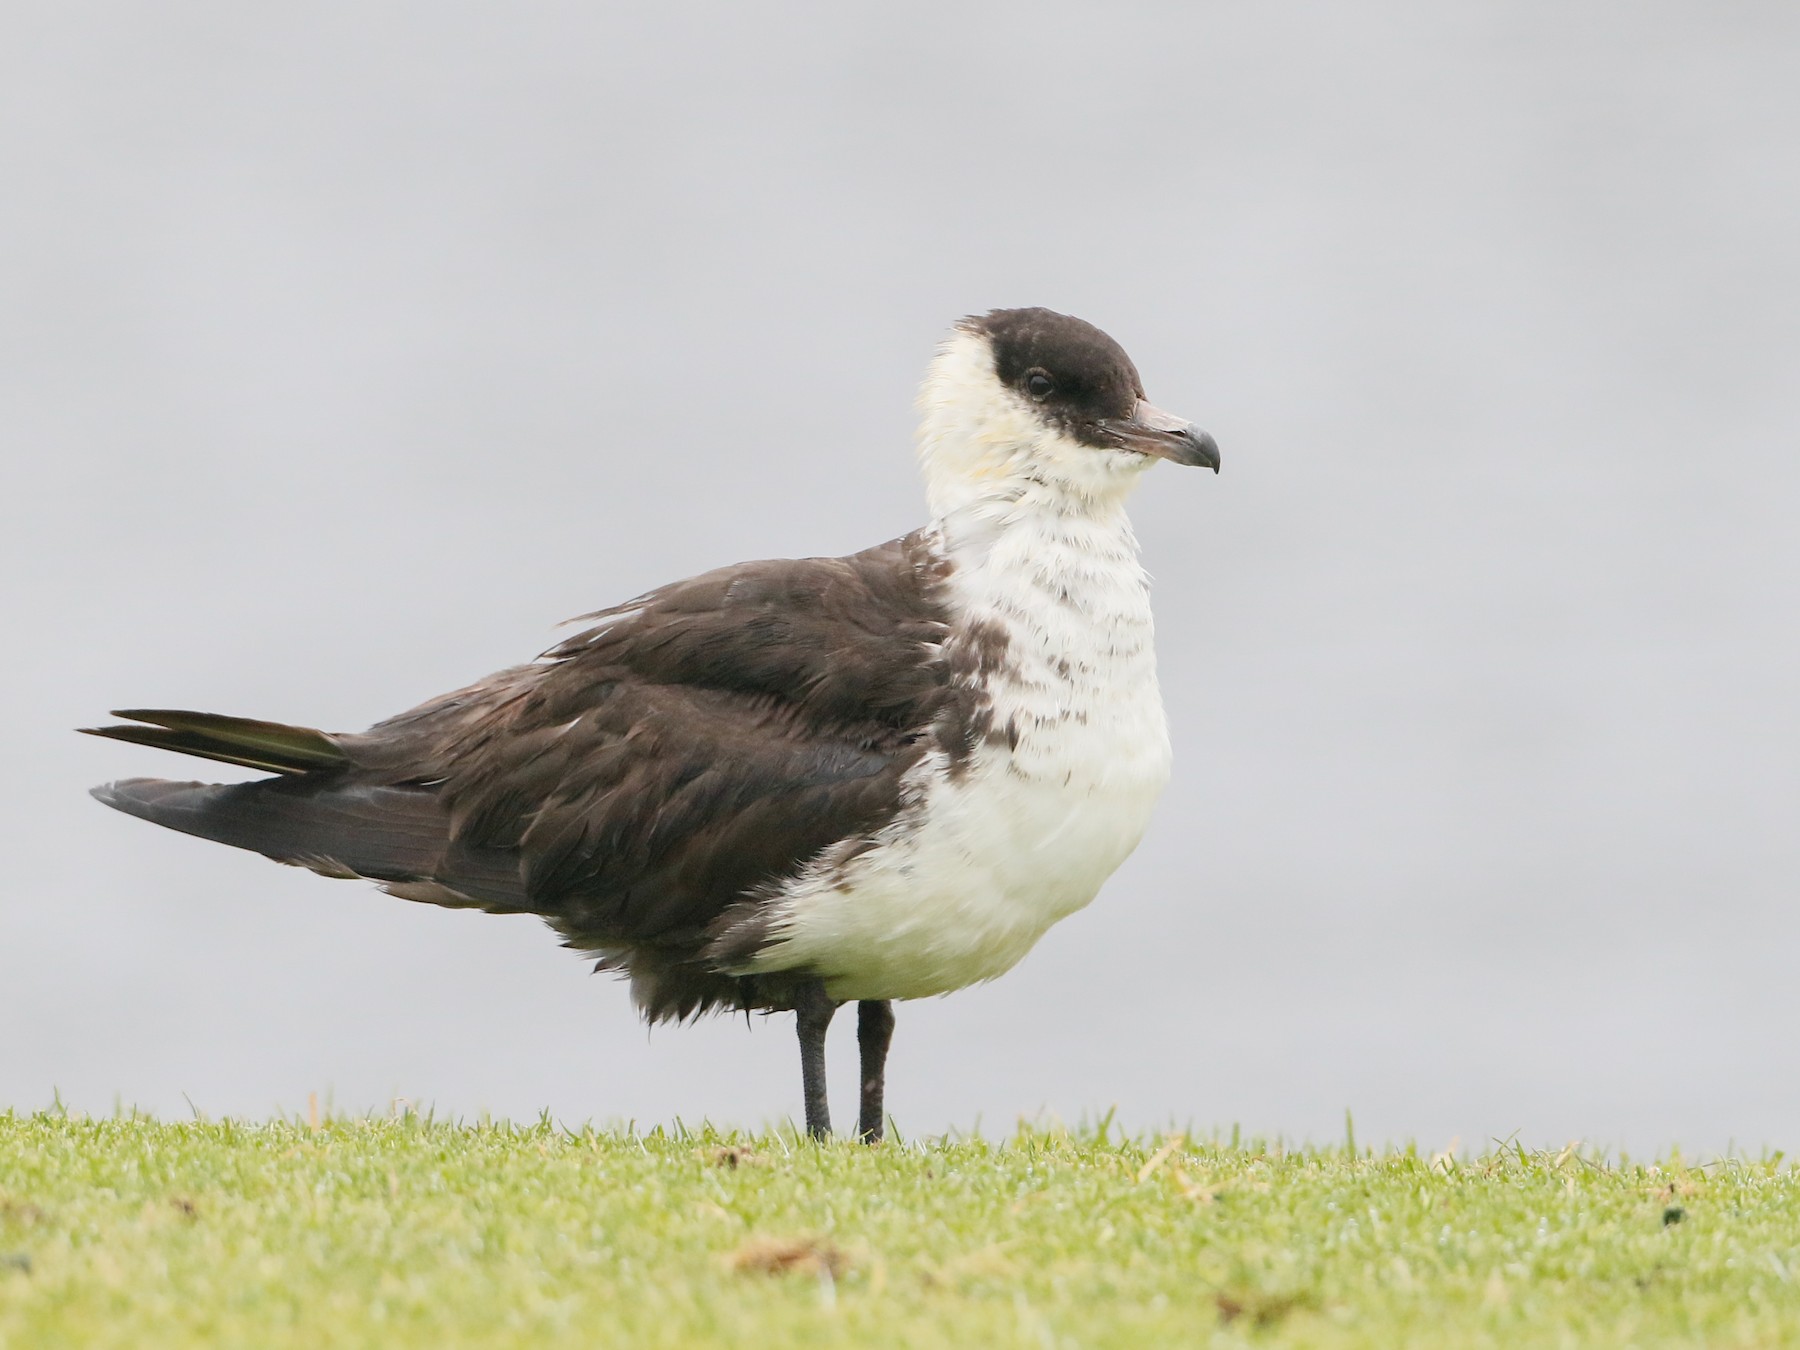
1205	452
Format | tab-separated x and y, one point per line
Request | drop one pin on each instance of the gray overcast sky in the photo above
347	348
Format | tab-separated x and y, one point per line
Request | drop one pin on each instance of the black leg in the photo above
813	1012
874	1029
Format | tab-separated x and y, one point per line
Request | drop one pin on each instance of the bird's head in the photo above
1033	407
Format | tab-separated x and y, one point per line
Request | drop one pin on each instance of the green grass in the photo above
405	1232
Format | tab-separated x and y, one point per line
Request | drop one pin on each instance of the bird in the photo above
788	785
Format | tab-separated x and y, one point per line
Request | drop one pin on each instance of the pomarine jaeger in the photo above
786	785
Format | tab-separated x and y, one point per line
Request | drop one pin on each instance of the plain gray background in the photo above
347	348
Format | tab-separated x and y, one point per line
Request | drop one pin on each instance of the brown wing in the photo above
694	747
645	786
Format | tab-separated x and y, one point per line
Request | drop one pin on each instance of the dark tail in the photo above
317	814
230	740
383	833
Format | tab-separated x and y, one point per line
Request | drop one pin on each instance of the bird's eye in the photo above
1040	384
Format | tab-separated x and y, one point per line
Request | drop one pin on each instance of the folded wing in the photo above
639	786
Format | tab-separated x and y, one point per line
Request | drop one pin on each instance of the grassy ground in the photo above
128	1232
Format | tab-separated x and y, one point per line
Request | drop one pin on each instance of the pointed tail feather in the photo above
396	835
384	833
271	746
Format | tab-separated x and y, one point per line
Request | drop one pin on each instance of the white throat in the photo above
985	452
1034	525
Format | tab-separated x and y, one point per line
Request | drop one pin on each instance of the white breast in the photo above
980	863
